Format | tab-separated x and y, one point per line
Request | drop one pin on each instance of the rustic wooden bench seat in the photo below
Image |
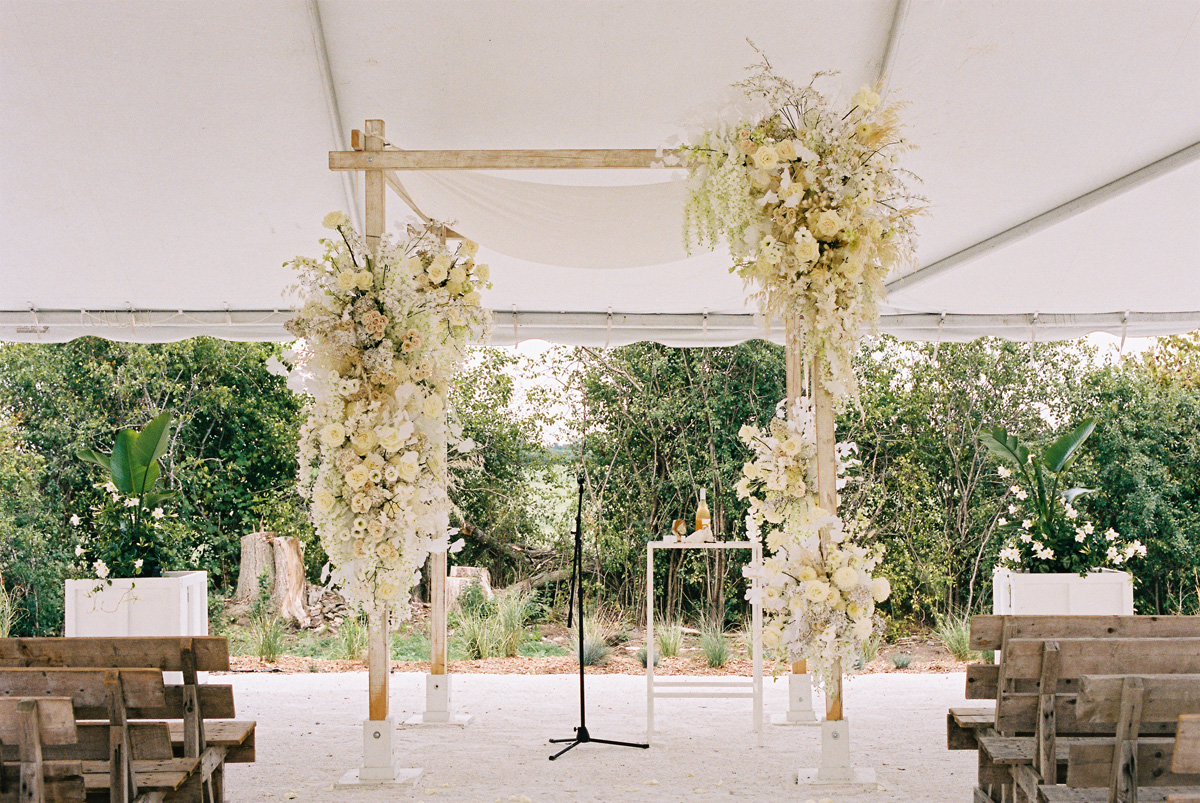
1026	724
29	726
108	765
202	728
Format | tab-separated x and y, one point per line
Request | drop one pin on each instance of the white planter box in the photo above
1101	593
173	605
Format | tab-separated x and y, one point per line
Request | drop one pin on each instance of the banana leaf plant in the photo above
1053	533
134	471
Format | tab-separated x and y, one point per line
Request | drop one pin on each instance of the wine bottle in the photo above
703	516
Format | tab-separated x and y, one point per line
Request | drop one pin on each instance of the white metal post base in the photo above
836	768
437	705
800	702
379	765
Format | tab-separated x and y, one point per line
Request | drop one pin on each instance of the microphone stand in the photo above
581	733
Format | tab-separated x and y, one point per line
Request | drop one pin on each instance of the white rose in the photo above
472	299
865	98
458	274
409	466
357	477
468	248
389	438
364	279
816	591
845	578
347	280
432	406
439	269
862	629
332	435
786	150
363	440
323	500
482	272
827	225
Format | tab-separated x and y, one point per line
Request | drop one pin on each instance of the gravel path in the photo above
309	732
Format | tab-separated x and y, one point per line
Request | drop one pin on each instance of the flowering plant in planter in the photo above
1044	531
129	528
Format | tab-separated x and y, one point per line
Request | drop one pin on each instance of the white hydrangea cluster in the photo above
381	335
819	599
813	206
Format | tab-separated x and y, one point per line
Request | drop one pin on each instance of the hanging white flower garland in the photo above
815	211
381	336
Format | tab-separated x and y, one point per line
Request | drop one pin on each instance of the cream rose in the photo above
766	157
805	247
346	281
409	466
389	438
364	279
472	298
323	500
827	225
482	272
468	248
865	98
816	591
335	219
881	589
363	440
786	150
332	435
845	578
357	477
458	274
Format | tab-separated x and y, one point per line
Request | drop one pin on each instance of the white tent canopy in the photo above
159	162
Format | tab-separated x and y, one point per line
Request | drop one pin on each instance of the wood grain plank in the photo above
573	159
1187	745
1090	764
986	631
1089	656
211	652
85	687
1165	697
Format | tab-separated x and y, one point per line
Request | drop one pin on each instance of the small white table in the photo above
726	687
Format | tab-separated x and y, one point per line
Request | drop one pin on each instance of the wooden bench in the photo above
202	714
31	725
1128	767
111	757
1026	728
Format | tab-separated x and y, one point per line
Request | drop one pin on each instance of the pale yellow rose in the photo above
482	272
364	279
458	274
808	573
805	247
468	248
827	225
862	629
323	500
766	158
346	281
334	220
786	150
865	98
816	591
389	438
472	299
357	477
363	441
332	435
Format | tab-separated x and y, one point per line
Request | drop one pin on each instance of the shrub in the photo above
512	612
472	602
479	636
641	656
954	631
351	643
267	636
669	638
715	647
902	660
8	610
595	650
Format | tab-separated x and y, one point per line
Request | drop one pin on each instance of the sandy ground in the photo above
309	733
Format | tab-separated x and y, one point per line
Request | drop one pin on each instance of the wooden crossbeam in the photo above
593	159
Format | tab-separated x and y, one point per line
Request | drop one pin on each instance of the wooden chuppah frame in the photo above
378	163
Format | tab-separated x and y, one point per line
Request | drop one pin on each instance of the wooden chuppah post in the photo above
800	697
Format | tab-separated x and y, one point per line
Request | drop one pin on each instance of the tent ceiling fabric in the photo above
160	162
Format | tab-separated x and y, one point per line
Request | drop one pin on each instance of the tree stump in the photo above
281	561
257	559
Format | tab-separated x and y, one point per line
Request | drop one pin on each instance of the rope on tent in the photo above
937	344
1124	329
608	329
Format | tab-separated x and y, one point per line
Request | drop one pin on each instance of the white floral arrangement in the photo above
819	600
813	207
380	338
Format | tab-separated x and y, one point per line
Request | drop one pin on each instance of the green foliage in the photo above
267	636
479	636
901	660
351	644
595	650
714	646
536	648
954	631
472	602
512	613
669	638
410	647
642	653
230	457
